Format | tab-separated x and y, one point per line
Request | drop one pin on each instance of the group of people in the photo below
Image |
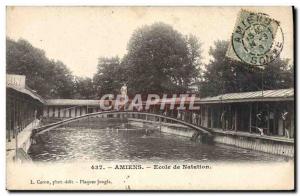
261	118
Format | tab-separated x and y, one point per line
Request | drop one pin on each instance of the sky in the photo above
78	36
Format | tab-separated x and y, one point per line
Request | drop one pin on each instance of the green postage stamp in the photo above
257	39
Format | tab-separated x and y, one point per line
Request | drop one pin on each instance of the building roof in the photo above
28	92
178	100
77	102
266	95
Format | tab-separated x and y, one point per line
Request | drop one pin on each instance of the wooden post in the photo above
14	117
16	145
159	123
211	118
235	119
274	119
250	118
256	114
8	126
231	117
206	117
202	118
292	124
268	122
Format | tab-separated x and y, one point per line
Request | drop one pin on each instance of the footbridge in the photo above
133	114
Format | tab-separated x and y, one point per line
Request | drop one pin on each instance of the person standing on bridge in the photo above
124	97
194	118
178	114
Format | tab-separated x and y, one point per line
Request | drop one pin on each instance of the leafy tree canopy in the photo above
161	60
109	76
223	75
48	77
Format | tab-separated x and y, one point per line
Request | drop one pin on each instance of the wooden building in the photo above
270	112
23	105
68	108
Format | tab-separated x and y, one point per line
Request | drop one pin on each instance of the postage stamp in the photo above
257	39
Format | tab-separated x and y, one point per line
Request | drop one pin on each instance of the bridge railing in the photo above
158	117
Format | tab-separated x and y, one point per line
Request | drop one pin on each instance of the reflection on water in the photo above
115	143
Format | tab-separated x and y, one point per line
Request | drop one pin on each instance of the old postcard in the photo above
150	98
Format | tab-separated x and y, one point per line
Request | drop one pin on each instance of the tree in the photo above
84	88
160	60
109	76
48	77
223	75
194	54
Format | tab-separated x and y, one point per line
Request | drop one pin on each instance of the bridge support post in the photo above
159	123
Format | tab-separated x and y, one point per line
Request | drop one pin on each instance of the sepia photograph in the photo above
150	98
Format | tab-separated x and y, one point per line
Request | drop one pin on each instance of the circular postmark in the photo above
257	39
